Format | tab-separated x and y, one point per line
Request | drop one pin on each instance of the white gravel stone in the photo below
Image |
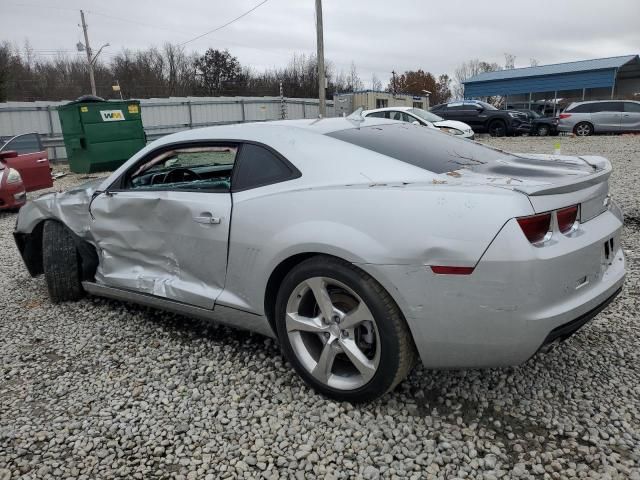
104	389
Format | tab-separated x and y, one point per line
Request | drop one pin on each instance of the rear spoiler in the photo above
602	172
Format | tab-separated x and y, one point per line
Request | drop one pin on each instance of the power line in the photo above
106	15
136	22
32	5
114	17
226	24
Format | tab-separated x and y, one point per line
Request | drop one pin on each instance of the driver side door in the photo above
163	227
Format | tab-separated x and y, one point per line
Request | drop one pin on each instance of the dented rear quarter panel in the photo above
377	224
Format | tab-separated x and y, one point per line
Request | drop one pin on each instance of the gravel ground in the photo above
102	389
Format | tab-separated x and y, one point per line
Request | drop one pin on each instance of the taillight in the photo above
445	270
564	115
535	227
567	218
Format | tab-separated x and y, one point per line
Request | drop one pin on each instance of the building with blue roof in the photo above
597	79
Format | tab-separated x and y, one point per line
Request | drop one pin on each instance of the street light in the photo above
93	60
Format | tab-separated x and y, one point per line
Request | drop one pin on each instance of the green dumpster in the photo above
100	135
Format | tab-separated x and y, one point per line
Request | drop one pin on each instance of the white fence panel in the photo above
160	116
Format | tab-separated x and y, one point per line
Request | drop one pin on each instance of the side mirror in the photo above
8	154
416	122
479	109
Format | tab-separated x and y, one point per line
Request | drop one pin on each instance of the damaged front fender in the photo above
71	208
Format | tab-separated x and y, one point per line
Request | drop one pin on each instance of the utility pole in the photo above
321	78
88	50
393	82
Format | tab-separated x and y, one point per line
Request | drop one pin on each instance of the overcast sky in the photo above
378	35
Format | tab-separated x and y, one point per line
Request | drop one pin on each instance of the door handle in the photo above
207	218
42	160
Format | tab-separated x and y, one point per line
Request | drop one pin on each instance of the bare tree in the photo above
534	62
470	69
29	54
509	61
353	79
170	71
179	70
376	84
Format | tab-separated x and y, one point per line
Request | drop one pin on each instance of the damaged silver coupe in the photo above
360	246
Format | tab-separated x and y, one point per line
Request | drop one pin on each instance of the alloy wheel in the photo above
497	129
583	130
333	333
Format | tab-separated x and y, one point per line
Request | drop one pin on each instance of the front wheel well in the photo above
31	249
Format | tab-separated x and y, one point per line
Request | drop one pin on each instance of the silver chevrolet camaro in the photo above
360	244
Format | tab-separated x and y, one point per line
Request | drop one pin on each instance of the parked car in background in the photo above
424	118
541	125
607	116
360	245
13	194
24	167
484	117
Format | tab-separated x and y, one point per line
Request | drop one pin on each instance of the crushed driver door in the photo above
164	230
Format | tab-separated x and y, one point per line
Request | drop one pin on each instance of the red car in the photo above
24	167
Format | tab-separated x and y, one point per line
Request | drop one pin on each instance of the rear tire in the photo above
371	358
583	129
497	128
61	263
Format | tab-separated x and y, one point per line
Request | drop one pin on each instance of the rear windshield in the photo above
421	146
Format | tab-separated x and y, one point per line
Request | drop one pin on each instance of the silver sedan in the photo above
362	245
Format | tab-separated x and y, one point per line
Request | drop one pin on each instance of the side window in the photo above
455	106
407	118
28	143
258	166
584	108
189	168
376	114
632	107
396	115
474	107
606	107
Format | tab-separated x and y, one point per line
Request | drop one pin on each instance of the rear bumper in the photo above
522	128
516	298
563	332
563	127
